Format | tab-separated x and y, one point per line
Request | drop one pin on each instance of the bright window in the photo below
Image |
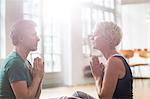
50	15
92	12
2	28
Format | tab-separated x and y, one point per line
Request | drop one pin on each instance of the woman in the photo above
114	80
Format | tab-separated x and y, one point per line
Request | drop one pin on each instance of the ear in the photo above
20	38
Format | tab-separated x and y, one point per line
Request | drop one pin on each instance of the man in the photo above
18	80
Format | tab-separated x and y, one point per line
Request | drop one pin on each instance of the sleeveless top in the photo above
124	88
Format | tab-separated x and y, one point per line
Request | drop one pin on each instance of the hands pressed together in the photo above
96	67
38	68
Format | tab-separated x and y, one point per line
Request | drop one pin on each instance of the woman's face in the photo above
98	41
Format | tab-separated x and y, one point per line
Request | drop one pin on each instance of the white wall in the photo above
2	29
136	29
74	60
13	13
133	1
136	33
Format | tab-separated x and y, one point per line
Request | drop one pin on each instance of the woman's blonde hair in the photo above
109	31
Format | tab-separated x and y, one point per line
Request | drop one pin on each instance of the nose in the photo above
91	37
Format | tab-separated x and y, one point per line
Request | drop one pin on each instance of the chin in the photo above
94	47
34	49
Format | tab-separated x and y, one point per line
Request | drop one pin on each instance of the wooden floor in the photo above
141	90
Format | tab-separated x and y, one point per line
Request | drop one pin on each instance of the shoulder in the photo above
13	62
115	61
114	64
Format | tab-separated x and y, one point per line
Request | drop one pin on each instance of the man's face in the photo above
30	39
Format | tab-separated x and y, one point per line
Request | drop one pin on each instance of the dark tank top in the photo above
124	88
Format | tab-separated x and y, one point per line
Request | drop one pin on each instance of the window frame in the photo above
87	50
30	15
51	78
2	30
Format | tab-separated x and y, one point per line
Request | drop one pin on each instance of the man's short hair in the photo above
20	27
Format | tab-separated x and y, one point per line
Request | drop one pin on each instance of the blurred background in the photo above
64	27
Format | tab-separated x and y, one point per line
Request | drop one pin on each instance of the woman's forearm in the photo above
98	83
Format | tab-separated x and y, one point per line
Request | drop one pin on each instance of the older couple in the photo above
20	80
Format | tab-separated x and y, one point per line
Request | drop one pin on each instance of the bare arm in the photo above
111	76
37	96
97	71
20	88
22	91
106	87
39	91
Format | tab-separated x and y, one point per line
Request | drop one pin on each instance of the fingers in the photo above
102	65
38	61
38	69
39	64
96	65
94	61
91	66
35	63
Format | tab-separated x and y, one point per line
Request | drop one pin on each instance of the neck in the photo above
22	52
108	52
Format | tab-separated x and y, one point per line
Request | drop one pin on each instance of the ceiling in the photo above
134	1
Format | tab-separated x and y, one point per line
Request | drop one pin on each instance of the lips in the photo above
36	44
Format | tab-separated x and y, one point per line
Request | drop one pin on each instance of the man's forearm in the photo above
38	94
34	87
39	90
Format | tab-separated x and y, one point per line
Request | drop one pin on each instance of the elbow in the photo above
25	96
105	97
20	97
30	96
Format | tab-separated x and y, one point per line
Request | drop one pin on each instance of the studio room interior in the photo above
64	28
